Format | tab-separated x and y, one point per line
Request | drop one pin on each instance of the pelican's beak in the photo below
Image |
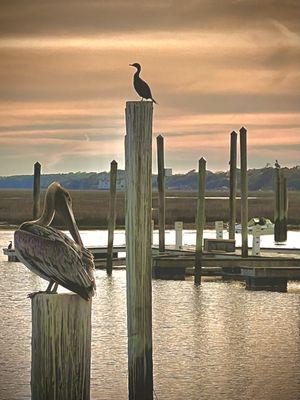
71	223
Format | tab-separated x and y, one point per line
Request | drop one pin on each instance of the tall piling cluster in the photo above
243	187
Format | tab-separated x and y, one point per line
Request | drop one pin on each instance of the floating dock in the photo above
269	271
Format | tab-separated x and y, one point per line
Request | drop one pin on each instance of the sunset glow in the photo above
212	68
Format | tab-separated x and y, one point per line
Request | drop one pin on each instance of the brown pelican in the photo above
50	253
142	88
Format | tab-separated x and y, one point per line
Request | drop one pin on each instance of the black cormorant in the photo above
277	165
141	87
10	245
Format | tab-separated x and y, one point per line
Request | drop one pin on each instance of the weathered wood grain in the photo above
61	347
138	164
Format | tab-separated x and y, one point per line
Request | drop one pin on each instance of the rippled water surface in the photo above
216	342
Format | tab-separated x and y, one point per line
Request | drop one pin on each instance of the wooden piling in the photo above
244	191
200	219
152	231
219	226
286	203
178	234
281	207
161	191
256	233
61	347
232	194
277	204
112	215
138	160
36	190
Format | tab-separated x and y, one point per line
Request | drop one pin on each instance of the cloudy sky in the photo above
212	66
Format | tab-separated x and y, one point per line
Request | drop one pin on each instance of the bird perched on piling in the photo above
10	245
277	165
50	253
141	87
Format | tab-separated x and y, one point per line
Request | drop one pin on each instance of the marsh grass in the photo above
91	207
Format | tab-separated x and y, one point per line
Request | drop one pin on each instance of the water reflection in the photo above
216	341
91	238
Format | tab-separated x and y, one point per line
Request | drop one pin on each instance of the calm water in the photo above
216	342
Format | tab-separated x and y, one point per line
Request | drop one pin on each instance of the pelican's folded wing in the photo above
53	256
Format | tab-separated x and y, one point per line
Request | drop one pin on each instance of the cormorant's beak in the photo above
72	226
130	65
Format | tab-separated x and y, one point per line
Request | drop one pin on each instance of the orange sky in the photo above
212	66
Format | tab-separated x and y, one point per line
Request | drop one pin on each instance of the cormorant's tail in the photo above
154	100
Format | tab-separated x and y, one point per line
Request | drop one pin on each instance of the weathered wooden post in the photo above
286	203
36	190
256	232
281	207
112	215
152	231
178	234
232	194
244	191
277	204
161	191
219	226
200	219
138	160
61	347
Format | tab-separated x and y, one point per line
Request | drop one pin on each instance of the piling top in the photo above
139	103
37	164
160	137
60	298
202	160
233	133
46	295
243	130
114	162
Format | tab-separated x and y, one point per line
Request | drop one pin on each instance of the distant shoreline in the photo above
91	208
259	179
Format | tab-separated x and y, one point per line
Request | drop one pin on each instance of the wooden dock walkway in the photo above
269	271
